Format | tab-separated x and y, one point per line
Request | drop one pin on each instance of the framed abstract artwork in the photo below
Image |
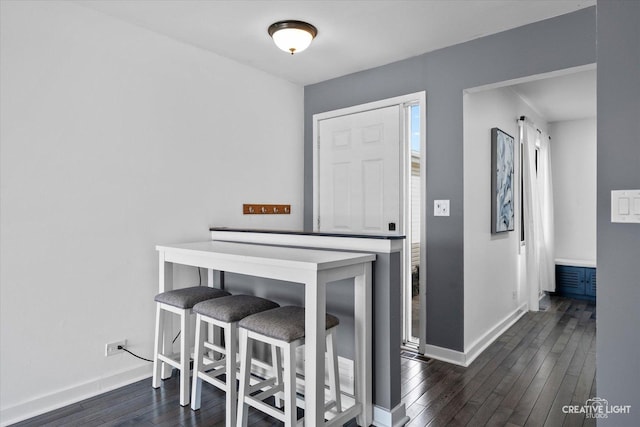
502	203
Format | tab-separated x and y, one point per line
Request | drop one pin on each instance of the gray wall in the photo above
554	44
618	246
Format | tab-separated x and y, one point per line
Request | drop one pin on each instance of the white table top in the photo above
306	259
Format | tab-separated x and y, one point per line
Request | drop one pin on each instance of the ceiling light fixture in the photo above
292	36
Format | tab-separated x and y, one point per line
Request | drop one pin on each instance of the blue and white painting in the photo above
503	181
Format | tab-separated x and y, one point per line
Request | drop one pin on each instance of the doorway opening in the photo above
413	292
498	285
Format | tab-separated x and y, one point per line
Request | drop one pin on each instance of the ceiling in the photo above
564	97
352	35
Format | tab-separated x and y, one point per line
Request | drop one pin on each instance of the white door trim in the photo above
423	224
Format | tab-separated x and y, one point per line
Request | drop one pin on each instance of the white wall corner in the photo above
493	334
58	399
390	418
467	357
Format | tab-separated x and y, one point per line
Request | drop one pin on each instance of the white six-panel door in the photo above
359	172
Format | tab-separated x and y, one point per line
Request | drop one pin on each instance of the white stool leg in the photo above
245	373
157	365
276	363
231	343
196	386
334	376
184	357
290	408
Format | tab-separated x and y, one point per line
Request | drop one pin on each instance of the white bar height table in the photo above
314	269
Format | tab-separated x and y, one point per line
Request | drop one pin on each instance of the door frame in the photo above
416	98
407	299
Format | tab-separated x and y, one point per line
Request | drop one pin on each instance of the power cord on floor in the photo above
120	347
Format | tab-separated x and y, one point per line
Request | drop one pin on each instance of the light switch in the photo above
441	207
625	206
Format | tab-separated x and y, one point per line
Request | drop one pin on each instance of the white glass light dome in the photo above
292	36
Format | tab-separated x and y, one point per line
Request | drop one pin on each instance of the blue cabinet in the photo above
590	282
576	282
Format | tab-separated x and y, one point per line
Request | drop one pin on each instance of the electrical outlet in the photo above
514	295
112	348
441	208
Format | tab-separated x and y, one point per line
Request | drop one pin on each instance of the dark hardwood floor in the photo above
546	360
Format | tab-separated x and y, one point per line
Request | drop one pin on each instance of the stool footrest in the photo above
264	407
214	347
344	416
209	364
300	403
264	384
214	381
171	359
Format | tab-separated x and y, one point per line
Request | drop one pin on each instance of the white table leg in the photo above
215	278
210	280
363	331
315	312
165	274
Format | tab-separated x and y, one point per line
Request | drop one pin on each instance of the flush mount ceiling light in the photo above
292	36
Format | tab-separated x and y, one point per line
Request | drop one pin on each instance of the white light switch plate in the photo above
441	208
625	206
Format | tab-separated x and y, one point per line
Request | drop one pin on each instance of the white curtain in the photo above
538	213
547	251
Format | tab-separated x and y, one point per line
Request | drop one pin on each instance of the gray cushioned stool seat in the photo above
233	308
188	297
284	323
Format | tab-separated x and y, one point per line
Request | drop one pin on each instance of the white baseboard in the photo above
397	417
58	399
467	357
444	354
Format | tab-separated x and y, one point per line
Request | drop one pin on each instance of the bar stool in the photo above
224	313
180	302
284	328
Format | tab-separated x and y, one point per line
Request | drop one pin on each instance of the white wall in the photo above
573	164
493	265
114	139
